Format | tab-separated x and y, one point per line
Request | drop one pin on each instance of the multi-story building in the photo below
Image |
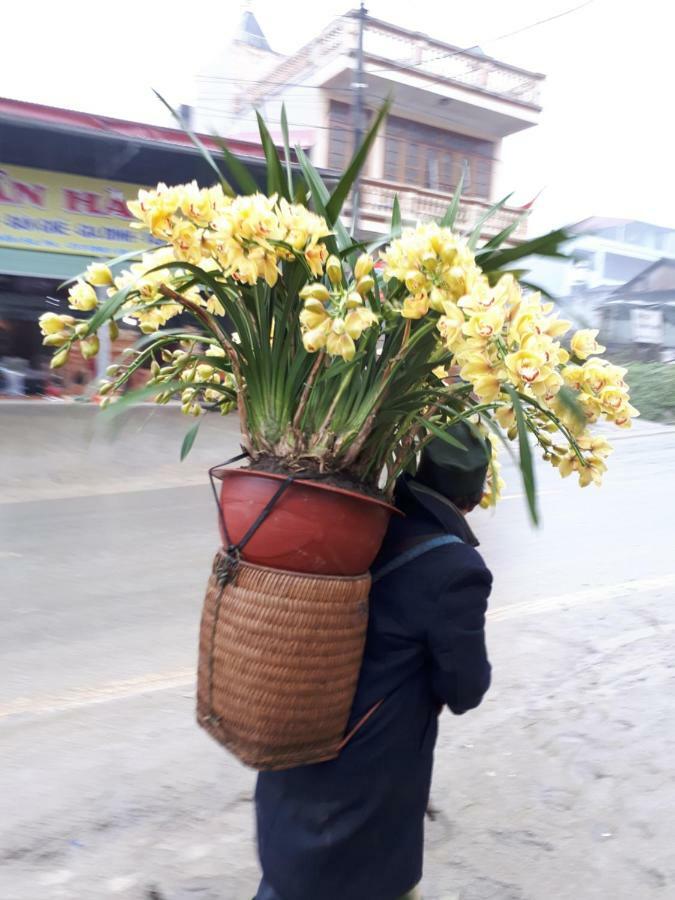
451	111
603	255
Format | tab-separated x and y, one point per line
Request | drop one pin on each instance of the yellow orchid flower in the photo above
486	324
341	345
584	343
315	338
437	299
451	324
52	323
357	320
316	291
364	266
506	417
487	387
316	255
214	306
528	366
98	274
624	416
82	296
186	241
415	307
310	318
334	270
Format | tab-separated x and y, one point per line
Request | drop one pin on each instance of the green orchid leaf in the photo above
287	151
440	433
526	465
448	220
344	185
478	228
188	441
206	154
320	198
276	184
548	244
395	229
241	174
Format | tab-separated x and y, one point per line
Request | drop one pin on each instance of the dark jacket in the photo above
352	828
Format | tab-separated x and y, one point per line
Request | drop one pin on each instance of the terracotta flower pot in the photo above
313	527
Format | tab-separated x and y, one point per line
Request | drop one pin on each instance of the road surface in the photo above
560	786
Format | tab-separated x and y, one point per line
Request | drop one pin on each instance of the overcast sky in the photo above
604	145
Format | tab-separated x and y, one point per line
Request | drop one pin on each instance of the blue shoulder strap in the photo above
414	552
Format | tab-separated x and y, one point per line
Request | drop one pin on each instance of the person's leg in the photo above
412	895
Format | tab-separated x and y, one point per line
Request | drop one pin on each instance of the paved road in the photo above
560	786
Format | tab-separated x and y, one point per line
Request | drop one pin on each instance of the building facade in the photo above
65	178
451	111
640	315
604	255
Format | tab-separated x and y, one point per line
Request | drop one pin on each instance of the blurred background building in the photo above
619	277
451	111
65	178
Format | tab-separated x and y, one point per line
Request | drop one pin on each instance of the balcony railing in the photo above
418	53
389	49
417	204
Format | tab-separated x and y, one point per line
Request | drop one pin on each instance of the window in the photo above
341	136
433	158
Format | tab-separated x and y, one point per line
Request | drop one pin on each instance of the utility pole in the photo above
358	86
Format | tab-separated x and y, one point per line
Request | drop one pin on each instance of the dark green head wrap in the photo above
456	473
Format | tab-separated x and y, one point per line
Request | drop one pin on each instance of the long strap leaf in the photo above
276	183
240	173
475	234
544	245
448	220
320	196
395	218
505	233
344	185
526	466
287	151
227	187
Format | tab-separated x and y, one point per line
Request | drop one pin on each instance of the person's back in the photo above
353	828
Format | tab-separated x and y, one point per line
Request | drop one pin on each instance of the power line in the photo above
500	37
338	126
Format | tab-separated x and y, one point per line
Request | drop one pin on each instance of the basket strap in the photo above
413	552
362	721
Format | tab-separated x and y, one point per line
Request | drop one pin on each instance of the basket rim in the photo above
244	564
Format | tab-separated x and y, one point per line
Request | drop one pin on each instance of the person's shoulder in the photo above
460	562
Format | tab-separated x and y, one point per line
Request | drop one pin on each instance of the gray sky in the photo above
603	146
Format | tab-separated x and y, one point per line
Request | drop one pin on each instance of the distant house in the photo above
452	109
641	313
603	255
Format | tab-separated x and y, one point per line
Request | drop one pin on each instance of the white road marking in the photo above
114	690
575	598
182	678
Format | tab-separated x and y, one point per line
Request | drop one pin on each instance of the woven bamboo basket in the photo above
279	658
